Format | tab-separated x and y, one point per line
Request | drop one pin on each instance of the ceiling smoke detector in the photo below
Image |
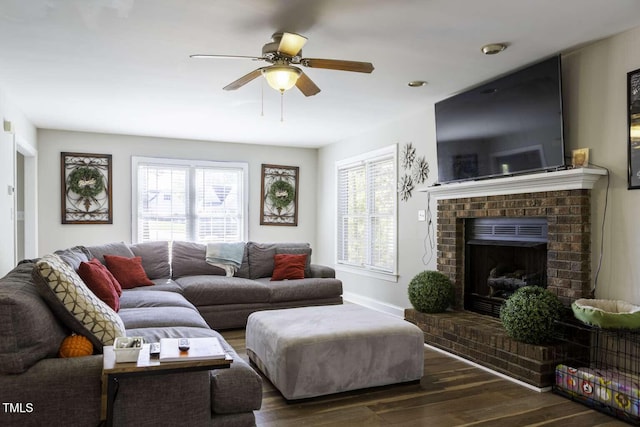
493	48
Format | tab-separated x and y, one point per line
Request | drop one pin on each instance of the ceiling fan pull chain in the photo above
262	99
282	106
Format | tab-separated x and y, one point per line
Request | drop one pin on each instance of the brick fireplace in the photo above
564	199
568	239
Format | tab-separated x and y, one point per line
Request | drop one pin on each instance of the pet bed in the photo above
607	314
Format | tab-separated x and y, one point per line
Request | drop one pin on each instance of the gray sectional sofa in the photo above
189	298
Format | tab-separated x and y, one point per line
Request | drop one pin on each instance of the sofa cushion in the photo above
288	266
167	285
153	317
74	303
30	331
303	290
298	251
216	290
105	270
243	271
127	271
153	298
261	257
155	258
96	279
114	282
188	259
115	248
155	334
74	256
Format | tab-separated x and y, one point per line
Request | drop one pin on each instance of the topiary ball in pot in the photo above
529	315
430	292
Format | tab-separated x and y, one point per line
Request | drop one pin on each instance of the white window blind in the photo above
367	211
182	200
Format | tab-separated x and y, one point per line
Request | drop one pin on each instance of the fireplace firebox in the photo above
502	255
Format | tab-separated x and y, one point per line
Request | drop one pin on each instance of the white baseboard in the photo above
393	310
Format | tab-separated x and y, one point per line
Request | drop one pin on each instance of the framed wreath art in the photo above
86	188
279	195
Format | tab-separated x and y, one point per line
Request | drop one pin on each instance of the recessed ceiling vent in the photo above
507	231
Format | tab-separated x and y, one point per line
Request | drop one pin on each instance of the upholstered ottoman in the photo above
313	351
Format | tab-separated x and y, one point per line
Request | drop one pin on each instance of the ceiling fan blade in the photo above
243	80
206	56
291	43
337	64
306	85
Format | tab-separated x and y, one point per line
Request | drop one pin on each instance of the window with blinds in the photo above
367	211
198	201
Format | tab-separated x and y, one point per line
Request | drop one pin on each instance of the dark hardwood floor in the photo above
451	393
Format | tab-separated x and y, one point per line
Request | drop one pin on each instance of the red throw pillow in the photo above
288	266
128	271
113	280
99	283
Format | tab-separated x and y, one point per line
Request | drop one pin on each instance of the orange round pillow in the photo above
75	346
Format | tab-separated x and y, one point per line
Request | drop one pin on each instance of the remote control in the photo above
183	344
154	349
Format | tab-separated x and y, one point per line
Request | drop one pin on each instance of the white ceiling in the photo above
123	66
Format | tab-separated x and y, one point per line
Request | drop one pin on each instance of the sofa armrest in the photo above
237	389
54	391
322	272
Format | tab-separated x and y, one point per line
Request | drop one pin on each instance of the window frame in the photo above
191	164
363	159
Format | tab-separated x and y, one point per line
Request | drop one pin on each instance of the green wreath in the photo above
86	182
281	194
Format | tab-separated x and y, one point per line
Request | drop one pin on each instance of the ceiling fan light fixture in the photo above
290	43
281	77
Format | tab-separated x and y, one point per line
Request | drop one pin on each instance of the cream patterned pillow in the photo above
74	303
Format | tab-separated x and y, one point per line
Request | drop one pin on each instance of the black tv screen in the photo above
508	126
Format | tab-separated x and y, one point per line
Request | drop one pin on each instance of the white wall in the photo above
54	235
418	129
594	86
595	103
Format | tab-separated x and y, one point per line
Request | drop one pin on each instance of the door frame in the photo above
30	196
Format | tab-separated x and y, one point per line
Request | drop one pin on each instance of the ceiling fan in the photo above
284	52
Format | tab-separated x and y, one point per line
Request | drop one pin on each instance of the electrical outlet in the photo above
422	215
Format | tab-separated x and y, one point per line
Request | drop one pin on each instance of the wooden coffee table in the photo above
112	371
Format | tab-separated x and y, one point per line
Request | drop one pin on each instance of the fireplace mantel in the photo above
569	179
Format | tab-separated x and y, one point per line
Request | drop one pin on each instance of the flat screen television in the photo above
508	126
